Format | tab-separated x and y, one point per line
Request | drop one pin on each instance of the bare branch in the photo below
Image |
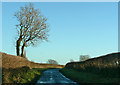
32	25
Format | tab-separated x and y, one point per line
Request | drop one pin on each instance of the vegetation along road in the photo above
53	76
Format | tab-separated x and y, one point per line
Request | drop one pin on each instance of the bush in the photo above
21	75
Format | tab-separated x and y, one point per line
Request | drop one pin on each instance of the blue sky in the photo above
76	28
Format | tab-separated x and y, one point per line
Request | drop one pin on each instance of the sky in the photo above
60	0
76	28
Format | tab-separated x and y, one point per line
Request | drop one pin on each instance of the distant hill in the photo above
12	61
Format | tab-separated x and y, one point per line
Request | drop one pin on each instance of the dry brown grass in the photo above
105	61
12	61
16	69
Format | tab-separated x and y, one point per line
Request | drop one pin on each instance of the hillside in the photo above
12	61
103	69
104	61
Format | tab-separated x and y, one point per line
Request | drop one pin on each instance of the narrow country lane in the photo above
53	76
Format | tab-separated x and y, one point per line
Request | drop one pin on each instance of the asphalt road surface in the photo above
53	76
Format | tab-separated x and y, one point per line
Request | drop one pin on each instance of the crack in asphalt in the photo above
53	76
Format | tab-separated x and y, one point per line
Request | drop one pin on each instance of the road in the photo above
53	76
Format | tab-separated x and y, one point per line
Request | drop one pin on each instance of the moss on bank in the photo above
21	75
87	77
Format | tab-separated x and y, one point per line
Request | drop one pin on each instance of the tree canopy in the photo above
84	57
31	29
51	61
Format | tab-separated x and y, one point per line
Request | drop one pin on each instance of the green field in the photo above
22	75
87	77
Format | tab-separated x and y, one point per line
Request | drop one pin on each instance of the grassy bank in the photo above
87	77
12	61
22	75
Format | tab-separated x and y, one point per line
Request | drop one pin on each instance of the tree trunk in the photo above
22	50
18	46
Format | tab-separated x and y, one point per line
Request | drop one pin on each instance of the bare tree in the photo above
71	60
31	29
84	57
50	61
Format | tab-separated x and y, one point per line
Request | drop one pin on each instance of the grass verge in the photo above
22	75
87	77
